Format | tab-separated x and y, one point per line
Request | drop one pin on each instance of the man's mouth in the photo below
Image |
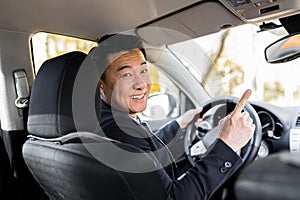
137	96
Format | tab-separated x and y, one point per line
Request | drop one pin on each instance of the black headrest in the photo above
65	87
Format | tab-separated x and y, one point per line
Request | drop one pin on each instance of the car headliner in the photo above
90	19
87	19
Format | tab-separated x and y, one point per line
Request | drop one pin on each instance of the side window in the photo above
46	46
164	99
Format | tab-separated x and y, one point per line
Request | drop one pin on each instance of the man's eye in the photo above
144	71
127	75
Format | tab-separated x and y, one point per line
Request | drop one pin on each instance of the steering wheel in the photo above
219	107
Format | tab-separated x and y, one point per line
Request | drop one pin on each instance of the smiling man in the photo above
124	89
128	86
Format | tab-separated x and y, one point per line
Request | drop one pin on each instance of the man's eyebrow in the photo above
123	67
127	66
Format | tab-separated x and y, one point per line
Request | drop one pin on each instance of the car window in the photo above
47	45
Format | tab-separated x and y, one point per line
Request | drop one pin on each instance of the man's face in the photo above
127	82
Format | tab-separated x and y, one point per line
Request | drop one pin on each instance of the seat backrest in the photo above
65	154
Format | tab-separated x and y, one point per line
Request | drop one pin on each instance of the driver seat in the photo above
65	155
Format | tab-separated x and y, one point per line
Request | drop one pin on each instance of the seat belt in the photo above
14	140
22	88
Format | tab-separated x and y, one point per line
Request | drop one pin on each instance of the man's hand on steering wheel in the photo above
240	130
187	117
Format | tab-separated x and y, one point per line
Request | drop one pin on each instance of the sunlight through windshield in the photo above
238	62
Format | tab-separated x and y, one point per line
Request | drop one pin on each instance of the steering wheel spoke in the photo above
198	149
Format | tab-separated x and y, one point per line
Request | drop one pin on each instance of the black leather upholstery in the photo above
50	113
59	155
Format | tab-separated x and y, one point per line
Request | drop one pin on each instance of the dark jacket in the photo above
199	182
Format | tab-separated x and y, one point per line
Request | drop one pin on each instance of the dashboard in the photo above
280	128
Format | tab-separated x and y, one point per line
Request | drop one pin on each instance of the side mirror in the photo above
160	105
284	49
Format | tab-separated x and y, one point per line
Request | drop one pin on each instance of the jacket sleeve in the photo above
208	174
169	131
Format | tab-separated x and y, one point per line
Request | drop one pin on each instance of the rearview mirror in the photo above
284	49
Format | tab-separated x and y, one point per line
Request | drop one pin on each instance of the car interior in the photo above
51	146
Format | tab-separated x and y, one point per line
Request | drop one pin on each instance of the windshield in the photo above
236	62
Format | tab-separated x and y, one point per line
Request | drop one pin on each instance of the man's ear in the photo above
101	88
102	92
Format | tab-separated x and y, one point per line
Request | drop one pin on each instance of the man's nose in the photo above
140	83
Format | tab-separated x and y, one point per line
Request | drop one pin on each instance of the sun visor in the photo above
189	22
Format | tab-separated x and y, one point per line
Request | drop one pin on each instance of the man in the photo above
124	88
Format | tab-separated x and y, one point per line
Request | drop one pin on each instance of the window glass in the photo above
236	62
46	45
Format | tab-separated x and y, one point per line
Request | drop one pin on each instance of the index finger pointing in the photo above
242	102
